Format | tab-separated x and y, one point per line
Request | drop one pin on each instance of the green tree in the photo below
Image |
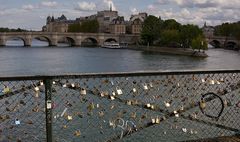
199	43
151	30
90	26
188	33
171	24
170	38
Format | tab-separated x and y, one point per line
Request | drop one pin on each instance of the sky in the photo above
31	14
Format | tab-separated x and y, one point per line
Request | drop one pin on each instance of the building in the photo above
208	31
118	26
136	23
109	22
57	25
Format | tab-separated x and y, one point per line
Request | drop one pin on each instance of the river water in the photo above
42	60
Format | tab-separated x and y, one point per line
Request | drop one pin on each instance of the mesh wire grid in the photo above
165	107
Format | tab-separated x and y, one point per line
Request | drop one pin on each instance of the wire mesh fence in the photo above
164	106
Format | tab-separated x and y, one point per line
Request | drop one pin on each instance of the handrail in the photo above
116	74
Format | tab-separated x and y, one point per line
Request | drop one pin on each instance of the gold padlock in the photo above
77	133
202	104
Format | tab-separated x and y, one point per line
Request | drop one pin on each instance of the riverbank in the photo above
169	50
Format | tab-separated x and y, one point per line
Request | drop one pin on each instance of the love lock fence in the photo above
154	106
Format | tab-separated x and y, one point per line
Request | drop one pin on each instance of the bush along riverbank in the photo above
171	50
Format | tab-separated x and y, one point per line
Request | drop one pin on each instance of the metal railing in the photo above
153	106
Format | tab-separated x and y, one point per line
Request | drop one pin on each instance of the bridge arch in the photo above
90	42
15	41
215	43
67	41
111	40
43	39
231	45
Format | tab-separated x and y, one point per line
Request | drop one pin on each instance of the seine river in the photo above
42	60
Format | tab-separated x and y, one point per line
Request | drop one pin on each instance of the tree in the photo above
170	38
188	33
151	29
199	43
171	24
90	26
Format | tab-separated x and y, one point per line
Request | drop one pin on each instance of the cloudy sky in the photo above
31	14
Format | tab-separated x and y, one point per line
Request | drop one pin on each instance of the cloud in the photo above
134	10
49	3
85	6
162	2
28	7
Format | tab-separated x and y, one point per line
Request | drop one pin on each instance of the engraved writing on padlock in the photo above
119	91
83	91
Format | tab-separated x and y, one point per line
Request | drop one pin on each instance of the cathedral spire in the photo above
110	6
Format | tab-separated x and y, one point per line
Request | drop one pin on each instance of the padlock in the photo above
203	80
73	85
17	121
184	130
145	87
112	98
83	91
157	120
202	104
119	91
113	93
41	83
54	82
148	105
91	106
134	90
212	82
129	102
153	121
101	114
102	94
167	104
69	117
152	107
36	89
151	85
77	133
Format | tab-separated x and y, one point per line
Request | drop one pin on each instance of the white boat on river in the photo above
111	45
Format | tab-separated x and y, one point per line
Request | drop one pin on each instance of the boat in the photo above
111	45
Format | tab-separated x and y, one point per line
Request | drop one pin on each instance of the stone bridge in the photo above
225	42
74	39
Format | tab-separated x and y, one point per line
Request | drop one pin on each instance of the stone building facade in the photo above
208	31
118	26
109	22
136	23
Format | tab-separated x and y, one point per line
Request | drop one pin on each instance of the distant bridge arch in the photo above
111	40
225	42
17	38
